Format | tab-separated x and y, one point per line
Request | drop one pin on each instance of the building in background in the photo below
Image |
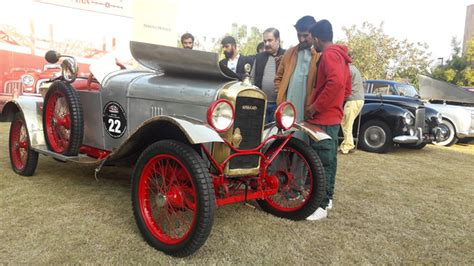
469	27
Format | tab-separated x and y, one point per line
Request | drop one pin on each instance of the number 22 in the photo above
117	124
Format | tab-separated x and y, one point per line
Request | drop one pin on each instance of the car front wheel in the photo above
173	198
375	136
451	139
302	184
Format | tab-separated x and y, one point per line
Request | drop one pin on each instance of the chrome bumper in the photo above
438	134
416	139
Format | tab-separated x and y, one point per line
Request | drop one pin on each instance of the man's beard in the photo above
304	45
228	55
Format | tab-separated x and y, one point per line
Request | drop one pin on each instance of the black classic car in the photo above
388	119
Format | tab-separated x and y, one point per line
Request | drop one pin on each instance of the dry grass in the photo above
403	207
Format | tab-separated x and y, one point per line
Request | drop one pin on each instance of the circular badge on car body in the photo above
115	120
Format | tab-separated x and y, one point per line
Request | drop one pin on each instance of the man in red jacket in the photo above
326	106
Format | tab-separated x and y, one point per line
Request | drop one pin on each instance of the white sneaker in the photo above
319	214
329	207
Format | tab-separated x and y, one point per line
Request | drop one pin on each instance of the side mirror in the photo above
52	57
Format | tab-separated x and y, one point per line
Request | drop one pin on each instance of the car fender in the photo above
312	131
189	129
32	109
390	114
459	116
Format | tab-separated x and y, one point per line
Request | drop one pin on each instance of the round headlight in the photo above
408	118
220	115
285	115
28	80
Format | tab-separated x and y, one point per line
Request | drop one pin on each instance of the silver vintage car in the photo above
456	105
194	136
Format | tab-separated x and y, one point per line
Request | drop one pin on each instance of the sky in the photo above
432	22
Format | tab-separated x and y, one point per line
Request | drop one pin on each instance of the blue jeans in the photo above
270	115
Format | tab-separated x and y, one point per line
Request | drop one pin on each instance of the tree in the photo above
246	41
458	69
380	56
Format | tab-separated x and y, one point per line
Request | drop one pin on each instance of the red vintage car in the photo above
24	81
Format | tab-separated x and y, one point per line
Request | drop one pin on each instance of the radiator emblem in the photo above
249	107
236	138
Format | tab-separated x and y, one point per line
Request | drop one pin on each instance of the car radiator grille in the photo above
11	86
420	120
249	119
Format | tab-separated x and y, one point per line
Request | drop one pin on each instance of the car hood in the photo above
402	101
179	62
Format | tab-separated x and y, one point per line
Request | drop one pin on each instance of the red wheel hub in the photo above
167	199
19	144
58	122
294	178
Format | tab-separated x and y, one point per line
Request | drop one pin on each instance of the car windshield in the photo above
407	90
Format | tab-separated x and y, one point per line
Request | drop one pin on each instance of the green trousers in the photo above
327	151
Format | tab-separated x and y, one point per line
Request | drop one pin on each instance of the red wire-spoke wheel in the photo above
62	119
302	184
23	159
173	198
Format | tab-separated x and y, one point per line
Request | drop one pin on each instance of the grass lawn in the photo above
408	206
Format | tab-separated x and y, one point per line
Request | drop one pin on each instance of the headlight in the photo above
285	115
28	80
220	115
408	118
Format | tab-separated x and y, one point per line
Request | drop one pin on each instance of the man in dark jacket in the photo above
265	67
333	85
233	60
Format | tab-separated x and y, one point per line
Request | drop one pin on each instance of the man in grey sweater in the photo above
352	108
265	67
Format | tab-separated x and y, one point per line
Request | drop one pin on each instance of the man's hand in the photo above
309	112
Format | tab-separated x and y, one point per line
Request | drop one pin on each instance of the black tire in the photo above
414	146
312	199
201	186
452	139
22	158
60	138
375	136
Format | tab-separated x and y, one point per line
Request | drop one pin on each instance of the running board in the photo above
81	158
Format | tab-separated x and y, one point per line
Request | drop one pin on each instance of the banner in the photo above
155	22
110	7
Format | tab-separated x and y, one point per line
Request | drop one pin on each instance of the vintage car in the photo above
456	104
195	138
24	81
388	118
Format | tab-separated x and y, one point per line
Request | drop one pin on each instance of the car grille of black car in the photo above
249	119
420	120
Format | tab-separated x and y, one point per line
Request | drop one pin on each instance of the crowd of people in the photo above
316	76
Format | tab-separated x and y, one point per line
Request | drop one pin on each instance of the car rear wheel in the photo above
63	122
22	158
375	136
302	184
452	139
173	198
